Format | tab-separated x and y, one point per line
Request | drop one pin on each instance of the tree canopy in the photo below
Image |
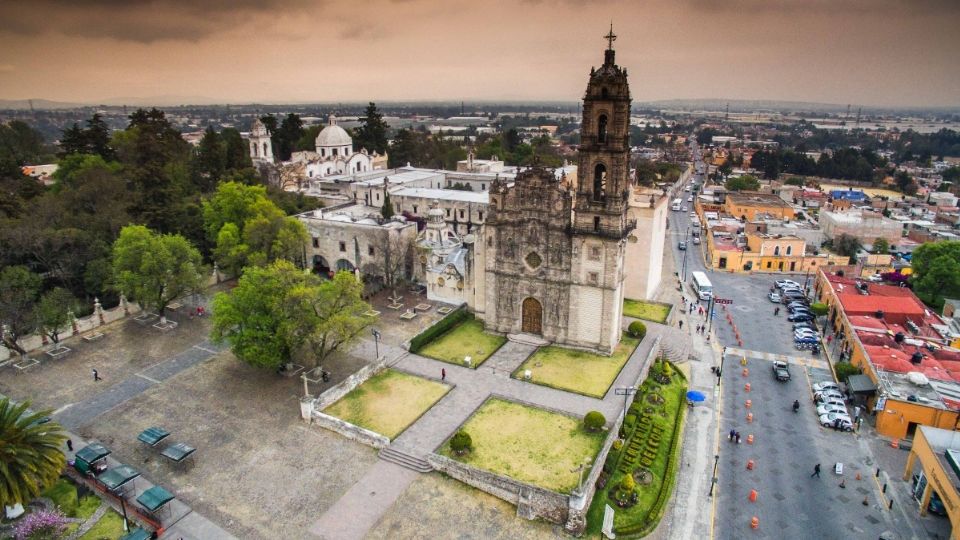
372	133
154	268
31	458
936	272
742	183
18	295
847	245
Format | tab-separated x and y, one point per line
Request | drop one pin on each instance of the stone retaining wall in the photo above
532	502
342	388
350	431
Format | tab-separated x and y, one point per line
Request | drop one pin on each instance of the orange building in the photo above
937	451
751	205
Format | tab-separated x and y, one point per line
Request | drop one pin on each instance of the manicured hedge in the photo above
452	319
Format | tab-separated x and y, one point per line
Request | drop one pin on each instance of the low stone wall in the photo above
345	386
579	505
532	502
350	431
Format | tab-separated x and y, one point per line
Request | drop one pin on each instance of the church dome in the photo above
333	135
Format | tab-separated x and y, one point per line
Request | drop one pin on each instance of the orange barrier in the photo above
750	439
749	464
895	443
753	495
749	403
749	417
858	476
746	387
746	372
754	522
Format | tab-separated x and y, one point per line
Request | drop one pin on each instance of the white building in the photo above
334	155
261	149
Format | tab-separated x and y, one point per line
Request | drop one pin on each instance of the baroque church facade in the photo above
555	251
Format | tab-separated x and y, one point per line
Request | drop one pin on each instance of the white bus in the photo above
676	204
701	285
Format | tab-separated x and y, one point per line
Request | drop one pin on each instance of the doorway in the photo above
532	321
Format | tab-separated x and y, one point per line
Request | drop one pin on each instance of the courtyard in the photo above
582	372
466	339
388	402
648	311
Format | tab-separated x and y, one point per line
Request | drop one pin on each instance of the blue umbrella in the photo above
693	395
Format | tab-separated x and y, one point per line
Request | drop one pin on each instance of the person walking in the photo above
776	311
70	445
733	433
816	471
96	376
681	325
738	437
443	374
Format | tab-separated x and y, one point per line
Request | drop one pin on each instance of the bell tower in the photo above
604	166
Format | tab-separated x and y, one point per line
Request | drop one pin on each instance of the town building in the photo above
334	154
261	149
751	206
937	452
865	225
912	374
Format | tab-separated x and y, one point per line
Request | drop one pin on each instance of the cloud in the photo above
142	21
836	7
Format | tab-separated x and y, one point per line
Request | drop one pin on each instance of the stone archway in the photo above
532	317
343	264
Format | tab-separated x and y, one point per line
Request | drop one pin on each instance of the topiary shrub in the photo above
594	421
461	443
637	329
617	445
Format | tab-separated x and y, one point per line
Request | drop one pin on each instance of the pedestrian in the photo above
738	437
843	483
836	424
681	325
856	412
776	311
733	433
443	374
816	471
70	445
859	423
96	376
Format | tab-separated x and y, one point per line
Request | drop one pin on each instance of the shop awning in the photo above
178	452
153	435
136	534
92	453
117	477
861	384
154	498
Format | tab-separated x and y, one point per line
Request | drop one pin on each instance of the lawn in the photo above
388	402
63	493
577	371
465	339
665	419
109	527
648	311
529	444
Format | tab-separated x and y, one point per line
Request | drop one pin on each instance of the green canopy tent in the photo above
87	459
118	477
137	534
178	452
153	435
154	499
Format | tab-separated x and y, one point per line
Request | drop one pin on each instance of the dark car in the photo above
794	311
798	317
805	324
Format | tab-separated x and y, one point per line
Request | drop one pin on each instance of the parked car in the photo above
806	324
809	334
781	283
826	408
830	401
875	278
682	245
774	297
781	371
683	208
823	386
936	505
690	198
693	214
696	240
797	317
829	420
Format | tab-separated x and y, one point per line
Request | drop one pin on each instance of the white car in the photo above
781	283
690	198
774	297
831	401
875	278
683	208
828	420
827	409
693	214
800	334
824	386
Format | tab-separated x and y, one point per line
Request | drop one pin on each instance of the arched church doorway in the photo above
320	265
532	321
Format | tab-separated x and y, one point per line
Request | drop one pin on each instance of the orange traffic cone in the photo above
749	464
754	522
753	495
750	439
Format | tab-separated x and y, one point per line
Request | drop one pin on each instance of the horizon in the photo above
874	54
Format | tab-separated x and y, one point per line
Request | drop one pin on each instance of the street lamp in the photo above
686	243
376	343
626	392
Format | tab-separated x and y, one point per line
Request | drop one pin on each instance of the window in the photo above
599	181
316	242
480	215
461	214
769	264
790	251
602	129
793	265
378	197
595	253
334	151
593	278
343	246
596	223
489	241
483	187
448	212
370	251
604	93
414	209
776	250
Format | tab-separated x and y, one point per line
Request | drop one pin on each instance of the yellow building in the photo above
938	453
766	253
751	205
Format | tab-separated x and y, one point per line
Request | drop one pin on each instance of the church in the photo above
555	251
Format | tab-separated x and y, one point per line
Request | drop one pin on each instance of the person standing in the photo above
443	374
96	376
681	324
816	471
733	433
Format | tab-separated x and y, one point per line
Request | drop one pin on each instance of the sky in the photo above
863	52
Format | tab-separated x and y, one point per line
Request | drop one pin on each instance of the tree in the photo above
387	209
154	268
881	246
397	256
637	329
210	160
372	133
278	311
847	245
461	443
936	272
594	421
794	181
287	137
819	309
742	183
18	295
54	312
31	459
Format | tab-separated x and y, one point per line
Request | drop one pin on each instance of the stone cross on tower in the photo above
611	37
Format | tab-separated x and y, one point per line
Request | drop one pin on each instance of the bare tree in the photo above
396	260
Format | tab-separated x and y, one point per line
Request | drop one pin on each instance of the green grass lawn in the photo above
648	311
63	493
529	444
674	396
577	371
464	339
109	527
388	402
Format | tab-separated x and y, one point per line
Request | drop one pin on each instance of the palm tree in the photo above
30	453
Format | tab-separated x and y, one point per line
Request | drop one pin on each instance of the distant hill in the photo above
19	104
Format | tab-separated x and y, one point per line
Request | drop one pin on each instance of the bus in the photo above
701	285
676	204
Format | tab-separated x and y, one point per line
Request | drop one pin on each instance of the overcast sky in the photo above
866	52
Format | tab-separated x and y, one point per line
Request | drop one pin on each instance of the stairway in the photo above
404	459
528	339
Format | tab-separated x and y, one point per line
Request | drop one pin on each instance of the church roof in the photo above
258	129
333	135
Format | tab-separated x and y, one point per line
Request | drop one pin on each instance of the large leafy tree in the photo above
54	311
742	183
31	458
936	272
18	296
277	312
154	268
847	244
372	133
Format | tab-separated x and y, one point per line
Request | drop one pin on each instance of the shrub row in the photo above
452	319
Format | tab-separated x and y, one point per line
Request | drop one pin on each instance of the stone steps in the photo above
528	339
404	459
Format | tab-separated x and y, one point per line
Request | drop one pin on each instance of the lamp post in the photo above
710	314
716	463
376	343
686	243
626	392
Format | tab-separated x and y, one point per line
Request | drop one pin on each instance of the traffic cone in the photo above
746	387
753	495
754	522
749	464
749	417
750	438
